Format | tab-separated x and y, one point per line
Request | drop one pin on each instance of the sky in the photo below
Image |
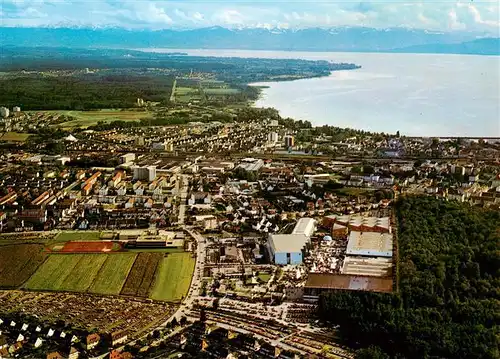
437	15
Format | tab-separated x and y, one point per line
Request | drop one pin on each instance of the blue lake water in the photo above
417	94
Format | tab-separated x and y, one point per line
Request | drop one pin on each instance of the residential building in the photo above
73	353
92	340
118	338
147	173
54	355
4	112
289	141
129	157
272	137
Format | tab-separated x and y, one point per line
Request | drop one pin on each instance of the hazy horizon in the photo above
443	16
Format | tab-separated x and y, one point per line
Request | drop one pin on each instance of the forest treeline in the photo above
447	304
37	92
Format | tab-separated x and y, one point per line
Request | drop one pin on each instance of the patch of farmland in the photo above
18	262
221	91
84	273
53	272
141	276
113	274
15	137
174	277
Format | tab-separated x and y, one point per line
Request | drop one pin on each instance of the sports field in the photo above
174	277
113	274
84	246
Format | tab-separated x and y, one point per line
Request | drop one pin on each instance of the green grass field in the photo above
53	272
113	274
96	273
173	277
77	236
264	277
14	137
221	91
89	118
84	273
179	91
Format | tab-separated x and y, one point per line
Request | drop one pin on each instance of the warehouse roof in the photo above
358	221
288	243
349	282
370	244
304	226
377	267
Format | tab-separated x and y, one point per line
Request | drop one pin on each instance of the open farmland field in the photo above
221	91
84	273
179	91
141	275
14	137
52	274
113	274
95	273
89	118
19	262
174	277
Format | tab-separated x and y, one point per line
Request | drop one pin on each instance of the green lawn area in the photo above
174	277
264	277
77	236
113	273
89	118
14	137
352	191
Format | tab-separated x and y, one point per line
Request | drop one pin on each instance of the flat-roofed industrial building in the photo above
379	267
287	248
305	226
318	283
371	244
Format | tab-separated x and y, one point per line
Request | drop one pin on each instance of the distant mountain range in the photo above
314	39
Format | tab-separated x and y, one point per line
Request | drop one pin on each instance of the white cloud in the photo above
478	18
453	22
229	17
198	16
441	15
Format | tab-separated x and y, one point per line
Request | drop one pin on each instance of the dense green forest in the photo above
37	92
447	305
